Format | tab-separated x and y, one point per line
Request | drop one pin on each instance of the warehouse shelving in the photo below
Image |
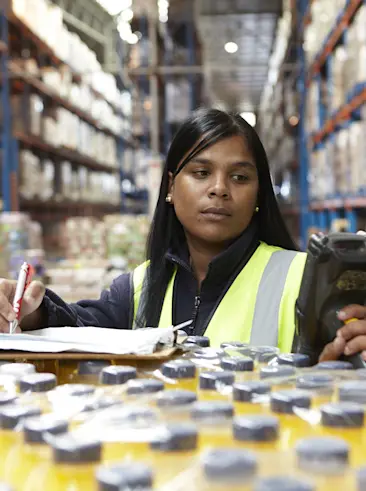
320	214
15	79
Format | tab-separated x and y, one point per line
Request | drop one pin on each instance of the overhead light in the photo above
132	38
249	117
127	15
113	7
231	47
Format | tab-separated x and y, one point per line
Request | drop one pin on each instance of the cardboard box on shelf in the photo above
27	113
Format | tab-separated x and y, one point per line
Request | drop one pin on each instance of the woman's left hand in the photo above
351	338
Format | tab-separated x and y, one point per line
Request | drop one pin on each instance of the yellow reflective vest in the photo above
259	306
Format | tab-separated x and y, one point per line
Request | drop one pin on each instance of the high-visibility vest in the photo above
259	306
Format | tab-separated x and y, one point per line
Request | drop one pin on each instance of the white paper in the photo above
89	340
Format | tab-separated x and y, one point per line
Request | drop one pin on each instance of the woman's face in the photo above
215	194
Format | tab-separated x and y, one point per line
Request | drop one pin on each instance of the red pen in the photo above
24	279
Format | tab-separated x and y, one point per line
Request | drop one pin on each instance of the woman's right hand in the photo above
32	300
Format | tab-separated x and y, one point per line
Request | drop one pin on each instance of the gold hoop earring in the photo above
256	209
168	199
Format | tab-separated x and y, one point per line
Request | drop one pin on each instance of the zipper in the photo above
197	303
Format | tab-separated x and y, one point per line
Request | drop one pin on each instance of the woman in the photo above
218	252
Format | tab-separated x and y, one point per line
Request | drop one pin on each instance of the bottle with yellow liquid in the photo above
250	397
175	404
88	371
286	404
73	466
345	420
214	419
256	432
227	469
243	366
35	387
173	452
298	360
213	385
142	388
201	341
327	460
10	417
182	374
32	451
115	377
134	476
319	385
126	432
279	376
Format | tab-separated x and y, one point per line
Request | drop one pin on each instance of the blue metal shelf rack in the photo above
321	214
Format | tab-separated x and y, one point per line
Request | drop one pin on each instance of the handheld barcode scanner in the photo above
334	276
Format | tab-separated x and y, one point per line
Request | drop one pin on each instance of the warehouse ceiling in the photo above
236	80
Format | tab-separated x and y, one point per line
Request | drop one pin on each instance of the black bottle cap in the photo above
176	398
135	415
17	369
68	450
6	398
246	391
334	365
256	428
117	374
10	416
284	402
212	410
315	381
229	465
237	364
144	386
361	479
178	369
280	371
214	380
92	367
294	359
37	382
76	390
324	454
36	429
233	345
352	391
264	354
342	415
280	483
175	438
133	476
97	404
209	353
202	341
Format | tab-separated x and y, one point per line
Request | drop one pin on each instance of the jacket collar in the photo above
224	264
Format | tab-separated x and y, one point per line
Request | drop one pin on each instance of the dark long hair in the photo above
204	128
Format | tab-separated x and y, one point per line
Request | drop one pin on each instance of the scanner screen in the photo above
352	280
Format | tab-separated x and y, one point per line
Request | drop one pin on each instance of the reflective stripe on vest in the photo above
259	306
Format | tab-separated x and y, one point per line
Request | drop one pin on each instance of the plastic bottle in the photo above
327	460
173	452
320	386
73	466
334	365
297	360
10	417
143	387
175	404
202	341
134	476
227	469
32	450
285	404
126	432
88	371
182	374
256	432
249	396
345	420
37	382
214	420
214	385
241	365
279	376
117	374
